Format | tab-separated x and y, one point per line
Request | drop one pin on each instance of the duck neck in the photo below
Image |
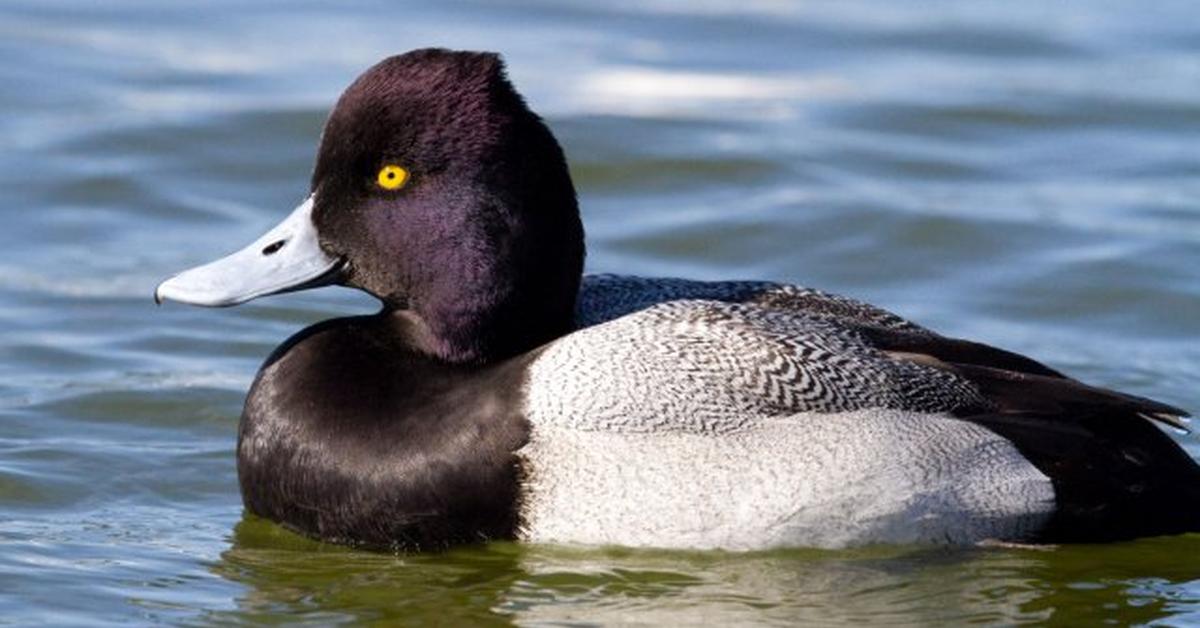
462	324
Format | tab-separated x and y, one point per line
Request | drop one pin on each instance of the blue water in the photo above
1022	173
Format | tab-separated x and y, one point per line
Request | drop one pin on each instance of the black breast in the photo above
350	436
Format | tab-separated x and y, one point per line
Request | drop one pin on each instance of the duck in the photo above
501	394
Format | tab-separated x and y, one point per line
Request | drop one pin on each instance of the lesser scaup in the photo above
499	395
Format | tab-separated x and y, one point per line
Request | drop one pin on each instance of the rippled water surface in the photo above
1023	173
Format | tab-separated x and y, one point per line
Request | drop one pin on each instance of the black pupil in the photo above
391	175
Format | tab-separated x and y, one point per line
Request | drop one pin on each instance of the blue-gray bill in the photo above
284	259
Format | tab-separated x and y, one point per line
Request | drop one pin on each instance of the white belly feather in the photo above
815	480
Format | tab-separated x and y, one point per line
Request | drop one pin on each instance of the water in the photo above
1023	173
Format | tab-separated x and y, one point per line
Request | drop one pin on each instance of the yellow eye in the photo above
392	177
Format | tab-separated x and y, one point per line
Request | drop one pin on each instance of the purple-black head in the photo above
437	190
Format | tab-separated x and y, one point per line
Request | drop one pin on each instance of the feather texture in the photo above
658	362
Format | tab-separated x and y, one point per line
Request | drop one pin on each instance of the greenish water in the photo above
1024	173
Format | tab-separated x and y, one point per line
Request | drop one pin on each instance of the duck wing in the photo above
809	350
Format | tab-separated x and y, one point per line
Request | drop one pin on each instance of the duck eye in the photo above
392	177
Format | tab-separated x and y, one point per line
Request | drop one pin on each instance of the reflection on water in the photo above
556	585
1023	173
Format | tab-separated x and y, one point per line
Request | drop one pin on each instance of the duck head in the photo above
439	192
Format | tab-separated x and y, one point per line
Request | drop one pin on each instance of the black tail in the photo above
1115	474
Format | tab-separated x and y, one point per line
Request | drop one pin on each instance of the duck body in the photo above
498	394
684	414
